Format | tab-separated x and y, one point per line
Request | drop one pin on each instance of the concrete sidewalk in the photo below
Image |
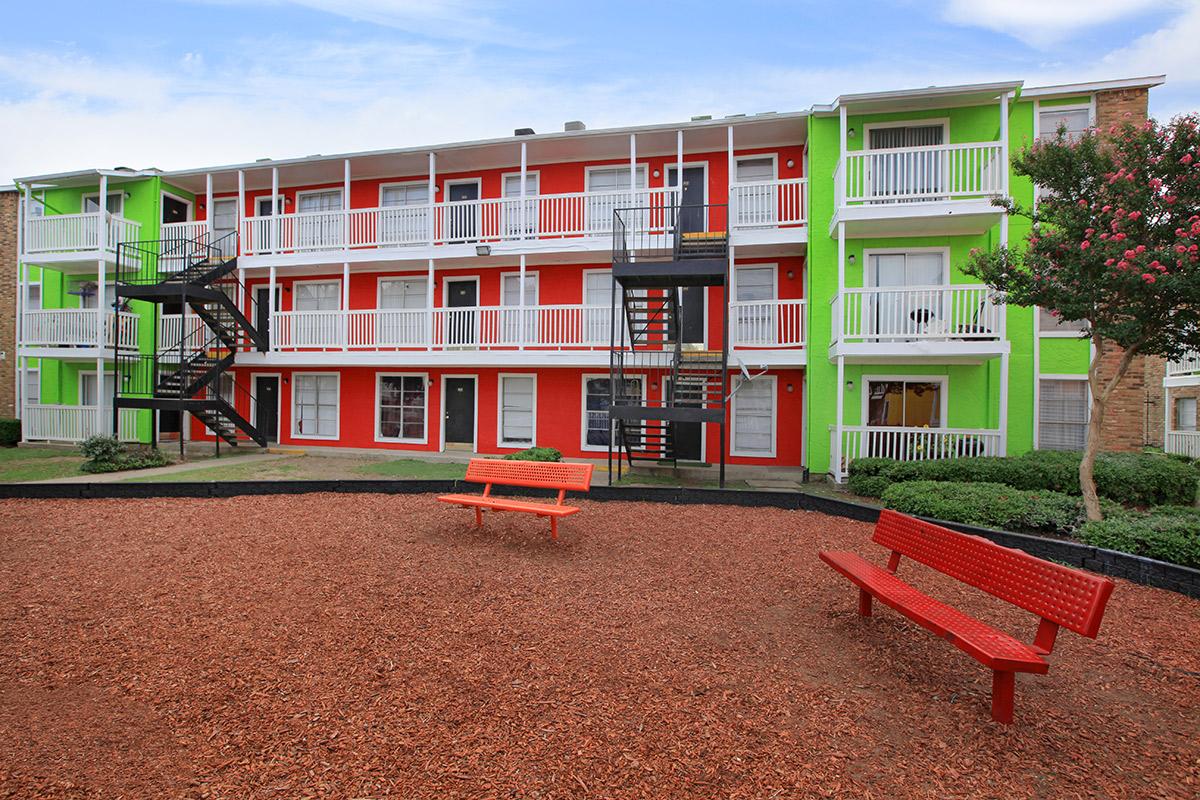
114	477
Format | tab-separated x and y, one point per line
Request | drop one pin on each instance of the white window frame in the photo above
442	416
532	441
1039	108
1175	409
583	445
191	206
281	205
108	383
335	281
295	393
379	437
733	451
754	157
530	173
1037	400
865	382
905	123
642	166
537	282
34	373
301	194
399	184
30	285
868	279
422	277
449	279
120	212
1053	333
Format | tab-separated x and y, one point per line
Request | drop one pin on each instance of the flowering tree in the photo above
1115	243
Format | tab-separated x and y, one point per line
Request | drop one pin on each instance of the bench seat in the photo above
508	504
993	648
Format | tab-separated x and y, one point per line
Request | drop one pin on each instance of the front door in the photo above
266	406
262	314
461	218
691	200
686	436
691	315
459	405
460	325
173	209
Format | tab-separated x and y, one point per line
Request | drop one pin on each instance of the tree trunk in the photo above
1100	394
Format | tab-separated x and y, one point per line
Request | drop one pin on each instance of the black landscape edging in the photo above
1139	569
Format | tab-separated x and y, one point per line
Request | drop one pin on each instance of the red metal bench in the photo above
1060	595
531	474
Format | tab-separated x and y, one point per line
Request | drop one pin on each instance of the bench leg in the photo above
1003	684
478	517
554	529
864	603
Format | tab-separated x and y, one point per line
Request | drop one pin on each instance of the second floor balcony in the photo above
934	189
76	243
942	322
79	332
1184	371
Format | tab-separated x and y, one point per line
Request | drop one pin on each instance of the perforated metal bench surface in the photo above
527	474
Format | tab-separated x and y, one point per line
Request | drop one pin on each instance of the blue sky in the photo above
182	83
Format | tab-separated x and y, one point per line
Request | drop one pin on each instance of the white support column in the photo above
272	331
524	213
1004	404
729	161
429	303
679	160
632	169
346	205
101	315
432	199
19	399
842	161
276	228
241	210
345	305
1004	142
1166	412
522	314
208	207
1002	312
839	313
836	456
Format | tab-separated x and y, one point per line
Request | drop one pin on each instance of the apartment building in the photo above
492	295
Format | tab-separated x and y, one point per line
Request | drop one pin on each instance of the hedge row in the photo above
989	505
1132	479
1166	534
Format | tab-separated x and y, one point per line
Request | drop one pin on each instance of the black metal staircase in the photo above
654	260
191	374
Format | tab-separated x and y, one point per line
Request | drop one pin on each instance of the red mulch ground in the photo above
371	646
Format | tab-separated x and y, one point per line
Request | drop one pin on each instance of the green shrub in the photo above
1164	534
989	505
864	467
10	432
535	454
106	454
868	485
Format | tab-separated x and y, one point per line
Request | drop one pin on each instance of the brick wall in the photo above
1135	413
8	302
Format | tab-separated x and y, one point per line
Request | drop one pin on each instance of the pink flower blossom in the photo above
1084	245
1147	277
1120	237
1141	248
1134	214
1187	159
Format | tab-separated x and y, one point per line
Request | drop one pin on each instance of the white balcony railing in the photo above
767	324
769	204
76	233
921	174
1189	364
75	423
77	327
487	220
1184	443
914	313
170	333
908	444
185	242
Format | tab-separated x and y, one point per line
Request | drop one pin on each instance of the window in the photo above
896	169
613	179
892	312
33	296
512	289
1048	323
405	326
89	388
754	417
317	295
33	387
512	211
88	294
407	194
755	204
1062	414
1075	120
1185	413
402	404
403	292
597	313
904	403
597	430
517	403
611	187
266	208
115	204
755	321
330	200
755	170
406	218
35	207
510	295
315	406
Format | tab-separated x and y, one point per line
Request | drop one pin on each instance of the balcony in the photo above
71	242
908	444
1184	371
74	332
949	324
50	423
917	191
769	212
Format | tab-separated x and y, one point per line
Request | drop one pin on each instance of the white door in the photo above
224	226
610	187
404	218
911	301
756	205
512	209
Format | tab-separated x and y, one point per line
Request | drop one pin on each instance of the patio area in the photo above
374	646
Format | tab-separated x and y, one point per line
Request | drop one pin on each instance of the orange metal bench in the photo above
1060	596
532	474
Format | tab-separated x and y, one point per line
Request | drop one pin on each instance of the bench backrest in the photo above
534	474
1070	597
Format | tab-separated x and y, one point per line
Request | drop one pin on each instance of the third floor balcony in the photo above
76	243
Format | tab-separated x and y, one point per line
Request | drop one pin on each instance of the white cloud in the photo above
1044	22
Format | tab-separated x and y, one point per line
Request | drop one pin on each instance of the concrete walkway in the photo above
114	477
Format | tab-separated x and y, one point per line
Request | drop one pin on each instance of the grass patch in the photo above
415	470
19	464
654	479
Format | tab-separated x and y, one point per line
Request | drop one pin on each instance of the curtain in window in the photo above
516	410
316	405
402	407
1062	414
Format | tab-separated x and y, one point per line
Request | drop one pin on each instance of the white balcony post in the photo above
521	314
730	163
840	395
241	216
432	200
429	303
208	207
524	213
276	232
1004	404
345	305
678	162
842	160
272	332
632	169
1004	143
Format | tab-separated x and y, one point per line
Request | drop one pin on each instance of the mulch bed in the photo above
381	646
